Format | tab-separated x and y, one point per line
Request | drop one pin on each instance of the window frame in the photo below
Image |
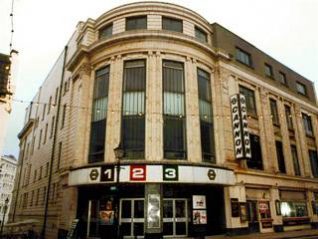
268	70
303	87
251	94
274	112
282	78
202	33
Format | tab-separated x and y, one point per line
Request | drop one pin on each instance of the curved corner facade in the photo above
154	122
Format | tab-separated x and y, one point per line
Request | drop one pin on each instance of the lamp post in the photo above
5	208
119	154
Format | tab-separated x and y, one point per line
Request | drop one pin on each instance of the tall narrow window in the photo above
295	160
49	105
274	112
280	157
256	161
174	110
282	78
63	116
40	138
59	155
250	100
99	114
133	120
43	113
268	70
45	133
314	162
289	118
307	124
206	119
52	126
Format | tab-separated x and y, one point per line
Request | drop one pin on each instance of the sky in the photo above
287	30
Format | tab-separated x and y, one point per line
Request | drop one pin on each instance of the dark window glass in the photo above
256	161
274	112
268	70
282	78
301	88
134	23
289	118
172	24
295	160
314	162
201	35
280	157
99	113
307	125
174	111
174	137
250	100
97	144
243	57
206	123
106	32
63	116
133	122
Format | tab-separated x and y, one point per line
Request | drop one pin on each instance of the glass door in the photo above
175	217
132	218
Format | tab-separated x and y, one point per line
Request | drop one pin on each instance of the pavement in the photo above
303	234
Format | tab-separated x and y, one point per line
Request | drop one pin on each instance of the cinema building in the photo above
154	122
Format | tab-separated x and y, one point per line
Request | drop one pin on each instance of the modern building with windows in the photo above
154	122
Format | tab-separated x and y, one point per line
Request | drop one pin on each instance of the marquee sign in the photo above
242	144
136	173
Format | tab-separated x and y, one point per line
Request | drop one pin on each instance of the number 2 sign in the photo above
137	172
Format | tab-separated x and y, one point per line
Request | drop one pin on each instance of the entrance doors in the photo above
253	222
175	217
132	217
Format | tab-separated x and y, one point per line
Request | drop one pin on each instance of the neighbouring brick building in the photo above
156	122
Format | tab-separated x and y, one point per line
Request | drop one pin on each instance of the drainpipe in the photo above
53	149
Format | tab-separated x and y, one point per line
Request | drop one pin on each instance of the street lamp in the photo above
119	154
5	208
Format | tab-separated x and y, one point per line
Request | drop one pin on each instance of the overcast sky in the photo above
285	29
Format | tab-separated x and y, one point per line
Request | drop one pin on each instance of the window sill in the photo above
243	63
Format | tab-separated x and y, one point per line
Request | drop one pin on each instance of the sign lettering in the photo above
170	173
137	172
107	174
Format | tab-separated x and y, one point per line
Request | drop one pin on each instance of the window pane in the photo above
289	119
301	88
133	103
273	106
250	100
174	137
135	76
173	77
282	78
256	161
268	70
201	35
134	136
243	57
314	162
204	85
307	125
207	141
106	31
101	83
97	141
172	24
205	111
100	109
280	157
134	23
295	160
173	104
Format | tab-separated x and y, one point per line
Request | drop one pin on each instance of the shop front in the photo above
145	208
294	210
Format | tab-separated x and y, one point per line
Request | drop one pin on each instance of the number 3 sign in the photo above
137	172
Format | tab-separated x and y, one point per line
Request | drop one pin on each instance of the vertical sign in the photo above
137	172
242	144
246	136
153	213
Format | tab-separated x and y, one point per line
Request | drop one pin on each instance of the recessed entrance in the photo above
175	217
